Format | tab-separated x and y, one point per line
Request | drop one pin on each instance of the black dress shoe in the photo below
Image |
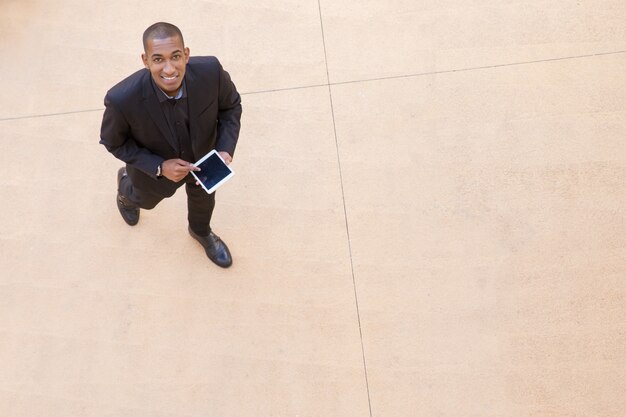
215	249
129	212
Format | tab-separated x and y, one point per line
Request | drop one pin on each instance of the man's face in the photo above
166	59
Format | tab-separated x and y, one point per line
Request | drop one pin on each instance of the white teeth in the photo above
168	78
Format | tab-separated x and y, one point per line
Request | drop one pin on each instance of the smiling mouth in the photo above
169	78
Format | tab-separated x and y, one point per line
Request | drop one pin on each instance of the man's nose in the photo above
168	68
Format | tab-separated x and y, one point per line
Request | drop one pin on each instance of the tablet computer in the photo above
213	171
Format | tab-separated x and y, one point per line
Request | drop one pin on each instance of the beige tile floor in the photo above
427	217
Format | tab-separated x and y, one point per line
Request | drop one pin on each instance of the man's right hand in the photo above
177	169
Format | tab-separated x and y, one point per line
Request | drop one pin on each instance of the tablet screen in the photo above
213	171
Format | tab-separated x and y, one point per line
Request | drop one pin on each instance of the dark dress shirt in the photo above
176	112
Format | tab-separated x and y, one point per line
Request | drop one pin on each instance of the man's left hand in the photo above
226	157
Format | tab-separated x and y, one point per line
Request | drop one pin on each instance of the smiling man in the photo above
160	120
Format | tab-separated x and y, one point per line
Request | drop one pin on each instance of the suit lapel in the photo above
154	109
197	103
194	103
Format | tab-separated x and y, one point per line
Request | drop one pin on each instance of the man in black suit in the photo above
160	120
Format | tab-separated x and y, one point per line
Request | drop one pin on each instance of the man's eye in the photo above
157	60
176	57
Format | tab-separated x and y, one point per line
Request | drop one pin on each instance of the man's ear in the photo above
186	55
144	58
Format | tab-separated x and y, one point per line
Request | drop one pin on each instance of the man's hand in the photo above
226	157
177	169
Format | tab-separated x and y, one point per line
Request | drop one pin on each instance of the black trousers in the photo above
200	204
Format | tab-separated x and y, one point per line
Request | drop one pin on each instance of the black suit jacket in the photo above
134	128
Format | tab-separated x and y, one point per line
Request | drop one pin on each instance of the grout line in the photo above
35	116
424	74
345	213
510	64
365	80
285	89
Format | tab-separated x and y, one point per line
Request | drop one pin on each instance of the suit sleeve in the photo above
115	135
229	114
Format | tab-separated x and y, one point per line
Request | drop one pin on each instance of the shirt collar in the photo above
162	96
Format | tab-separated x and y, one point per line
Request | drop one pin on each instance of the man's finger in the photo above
184	166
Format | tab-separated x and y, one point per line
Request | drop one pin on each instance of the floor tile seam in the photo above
345	210
477	68
37	116
429	73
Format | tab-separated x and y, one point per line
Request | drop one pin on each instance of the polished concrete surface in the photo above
427	217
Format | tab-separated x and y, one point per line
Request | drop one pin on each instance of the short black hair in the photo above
161	30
